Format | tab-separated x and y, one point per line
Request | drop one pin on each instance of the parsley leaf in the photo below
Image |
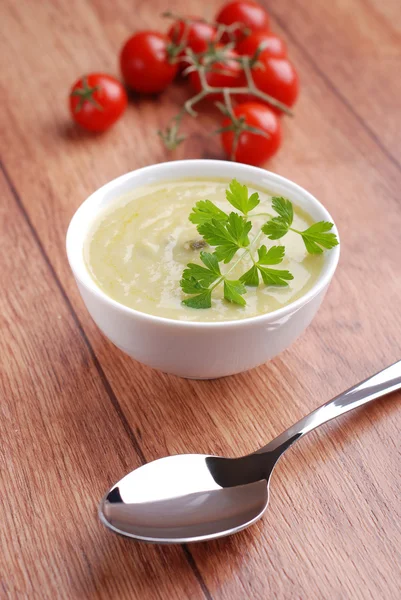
284	208
273	256
197	279
275	276
251	277
203	300
227	237
204	211
189	284
233	291
316	237
239	229
210	261
203	276
237	195
276	228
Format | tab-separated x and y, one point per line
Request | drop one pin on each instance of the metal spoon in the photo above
195	497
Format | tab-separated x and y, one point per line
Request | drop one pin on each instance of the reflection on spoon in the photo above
193	515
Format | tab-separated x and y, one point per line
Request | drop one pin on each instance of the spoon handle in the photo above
374	387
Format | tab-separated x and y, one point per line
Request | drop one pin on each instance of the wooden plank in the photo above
356	46
332	528
62	442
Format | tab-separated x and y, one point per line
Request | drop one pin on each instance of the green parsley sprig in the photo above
316	238
229	233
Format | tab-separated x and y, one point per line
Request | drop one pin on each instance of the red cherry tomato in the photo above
252	148
271	43
97	101
247	12
145	62
196	35
278	78
227	73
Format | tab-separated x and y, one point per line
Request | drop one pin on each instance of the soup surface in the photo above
138	248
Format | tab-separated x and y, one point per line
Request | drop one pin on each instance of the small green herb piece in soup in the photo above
175	249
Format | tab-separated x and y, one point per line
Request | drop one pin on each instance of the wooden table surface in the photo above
76	413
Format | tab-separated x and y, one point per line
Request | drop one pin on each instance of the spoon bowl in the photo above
179	499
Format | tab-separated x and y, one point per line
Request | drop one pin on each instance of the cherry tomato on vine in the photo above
227	73
250	13
278	78
271	43
97	101
147	62
196	34
252	148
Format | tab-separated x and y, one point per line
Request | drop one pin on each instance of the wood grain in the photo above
356	48
62	441
79	413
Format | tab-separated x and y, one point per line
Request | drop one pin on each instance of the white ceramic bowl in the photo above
190	349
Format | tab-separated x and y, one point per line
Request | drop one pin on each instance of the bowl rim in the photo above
77	263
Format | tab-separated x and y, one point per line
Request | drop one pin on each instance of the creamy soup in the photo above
138	248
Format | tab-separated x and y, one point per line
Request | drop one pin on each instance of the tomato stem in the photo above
206	61
85	94
221	29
